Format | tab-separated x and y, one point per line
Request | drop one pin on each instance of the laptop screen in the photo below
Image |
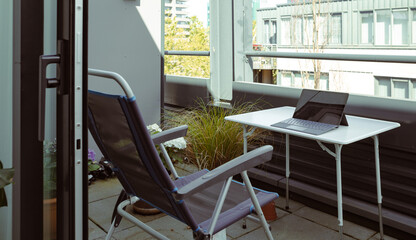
321	106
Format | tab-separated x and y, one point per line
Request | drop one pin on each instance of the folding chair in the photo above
207	201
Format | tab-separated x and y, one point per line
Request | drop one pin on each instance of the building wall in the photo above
351	27
127	40
179	9
6	56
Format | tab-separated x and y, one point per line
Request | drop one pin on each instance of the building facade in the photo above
178	9
350	27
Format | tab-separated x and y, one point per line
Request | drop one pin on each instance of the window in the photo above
266	31
400	27
400	88
367	27
273	38
308	30
286	79
383	27
285	31
322	26
335	26
299	79
296	30
413	25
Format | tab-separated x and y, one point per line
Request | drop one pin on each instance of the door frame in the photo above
28	17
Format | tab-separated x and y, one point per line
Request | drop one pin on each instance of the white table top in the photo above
359	128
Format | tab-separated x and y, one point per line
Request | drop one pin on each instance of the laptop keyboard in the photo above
308	124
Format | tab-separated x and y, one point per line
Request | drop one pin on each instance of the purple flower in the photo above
91	154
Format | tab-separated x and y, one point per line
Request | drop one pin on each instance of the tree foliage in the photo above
196	38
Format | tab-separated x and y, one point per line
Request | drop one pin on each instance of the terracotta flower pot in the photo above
269	211
49	218
141	207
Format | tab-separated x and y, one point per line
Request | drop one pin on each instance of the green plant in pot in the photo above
211	140
6	177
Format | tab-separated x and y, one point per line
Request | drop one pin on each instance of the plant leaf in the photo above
93	167
3	199
6	177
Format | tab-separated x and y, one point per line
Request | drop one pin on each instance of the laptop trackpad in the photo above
296	128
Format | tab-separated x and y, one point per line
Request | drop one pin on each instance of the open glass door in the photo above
48	137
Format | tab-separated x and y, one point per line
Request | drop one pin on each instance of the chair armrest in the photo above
229	169
169	134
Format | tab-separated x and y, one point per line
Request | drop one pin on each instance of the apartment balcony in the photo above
129	42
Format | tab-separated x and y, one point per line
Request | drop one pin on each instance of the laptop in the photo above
317	112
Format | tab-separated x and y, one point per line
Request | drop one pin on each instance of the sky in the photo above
199	8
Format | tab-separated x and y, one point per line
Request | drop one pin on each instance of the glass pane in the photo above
383	27
286	79
322	26
49	149
308	30
367	27
414	89
383	87
335	35
6	118
274	33
297	30
285	31
267	31
296	33
400	27
297	80
413	26
187	29
324	81
400	89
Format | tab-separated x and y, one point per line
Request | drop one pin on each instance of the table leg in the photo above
245	135
287	170
338	148
378	180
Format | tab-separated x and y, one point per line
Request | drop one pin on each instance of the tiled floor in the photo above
300	222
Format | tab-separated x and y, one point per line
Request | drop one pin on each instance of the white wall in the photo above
6	56
125	37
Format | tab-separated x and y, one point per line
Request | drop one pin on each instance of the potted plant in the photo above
6	177
49	185
211	140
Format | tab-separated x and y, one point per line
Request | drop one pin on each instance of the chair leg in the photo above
244	223
256	205
111	230
123	196
137	222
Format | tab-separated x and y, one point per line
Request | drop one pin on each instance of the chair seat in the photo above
236	206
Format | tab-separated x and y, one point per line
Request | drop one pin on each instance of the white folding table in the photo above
359	128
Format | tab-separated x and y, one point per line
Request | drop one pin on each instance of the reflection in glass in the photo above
367	27
383	27
400	27
49	189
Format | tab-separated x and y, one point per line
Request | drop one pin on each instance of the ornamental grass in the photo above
211	140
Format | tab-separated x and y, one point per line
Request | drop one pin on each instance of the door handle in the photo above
44	82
